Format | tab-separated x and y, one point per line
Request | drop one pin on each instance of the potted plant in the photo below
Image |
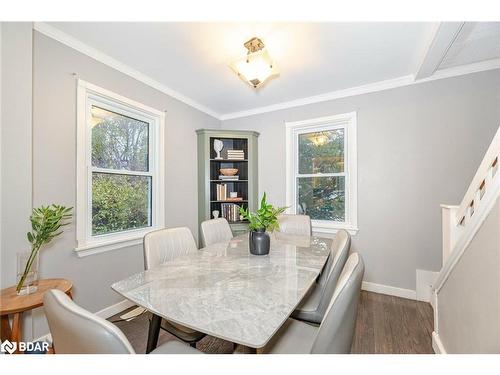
46	223
265	219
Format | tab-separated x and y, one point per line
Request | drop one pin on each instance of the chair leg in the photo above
154	332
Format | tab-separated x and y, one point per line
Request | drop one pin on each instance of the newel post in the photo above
449	228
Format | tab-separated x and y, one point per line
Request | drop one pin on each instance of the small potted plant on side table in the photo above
265	219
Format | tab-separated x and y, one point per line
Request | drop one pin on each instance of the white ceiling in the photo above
476	41
313	58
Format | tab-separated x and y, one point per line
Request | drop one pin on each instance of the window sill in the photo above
102	246
331	228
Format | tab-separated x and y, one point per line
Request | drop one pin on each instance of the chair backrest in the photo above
335	264
164	245
337	327
77	331
295	224
338	256
215	231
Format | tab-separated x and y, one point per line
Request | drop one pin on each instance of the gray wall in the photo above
16	178
418	146
16	144
469	302
54	174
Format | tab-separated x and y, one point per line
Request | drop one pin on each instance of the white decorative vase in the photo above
218	146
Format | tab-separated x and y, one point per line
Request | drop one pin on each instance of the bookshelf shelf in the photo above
229	201
228	181
229	160
212	190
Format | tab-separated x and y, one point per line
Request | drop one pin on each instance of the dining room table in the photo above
226	292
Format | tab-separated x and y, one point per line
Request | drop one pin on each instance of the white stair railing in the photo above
460	223
457	220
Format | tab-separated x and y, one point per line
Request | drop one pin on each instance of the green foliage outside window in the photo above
119	202
119	142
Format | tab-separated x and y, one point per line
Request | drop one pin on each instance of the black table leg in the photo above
154	332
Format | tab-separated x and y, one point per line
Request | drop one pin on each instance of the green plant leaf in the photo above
266	216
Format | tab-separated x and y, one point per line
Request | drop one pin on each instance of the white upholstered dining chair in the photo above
75	330
162	246
215	231
167	244
295	224
314	305
336	331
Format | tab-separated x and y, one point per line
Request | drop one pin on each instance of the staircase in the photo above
471	252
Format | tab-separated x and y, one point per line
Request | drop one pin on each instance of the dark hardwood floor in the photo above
392	325
385	325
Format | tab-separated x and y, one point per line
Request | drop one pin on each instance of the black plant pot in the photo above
259	242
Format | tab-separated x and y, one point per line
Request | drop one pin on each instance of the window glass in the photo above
321	152
120	202
322	198
118	141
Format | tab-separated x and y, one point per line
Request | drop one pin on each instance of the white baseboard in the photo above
389	290
437	345
109	311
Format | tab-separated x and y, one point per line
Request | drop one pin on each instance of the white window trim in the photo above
348	121
86	243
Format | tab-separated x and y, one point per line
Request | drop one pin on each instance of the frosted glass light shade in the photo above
255	68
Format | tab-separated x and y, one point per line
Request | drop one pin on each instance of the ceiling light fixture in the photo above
257	66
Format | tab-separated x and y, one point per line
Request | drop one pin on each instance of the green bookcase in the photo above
209	171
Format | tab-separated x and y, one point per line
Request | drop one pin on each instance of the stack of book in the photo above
236	154
230	212
228	178
221	192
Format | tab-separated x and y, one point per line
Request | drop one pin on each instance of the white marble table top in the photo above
226	292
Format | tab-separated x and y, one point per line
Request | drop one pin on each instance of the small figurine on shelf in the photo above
218	146
215	214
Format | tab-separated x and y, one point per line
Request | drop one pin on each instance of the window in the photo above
120	170
321	171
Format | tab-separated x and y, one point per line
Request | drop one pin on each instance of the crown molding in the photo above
461	70
406	80
369	88
358	90
79	46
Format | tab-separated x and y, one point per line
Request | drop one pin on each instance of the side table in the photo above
12	304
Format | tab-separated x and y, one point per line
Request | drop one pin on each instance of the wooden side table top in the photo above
11	303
